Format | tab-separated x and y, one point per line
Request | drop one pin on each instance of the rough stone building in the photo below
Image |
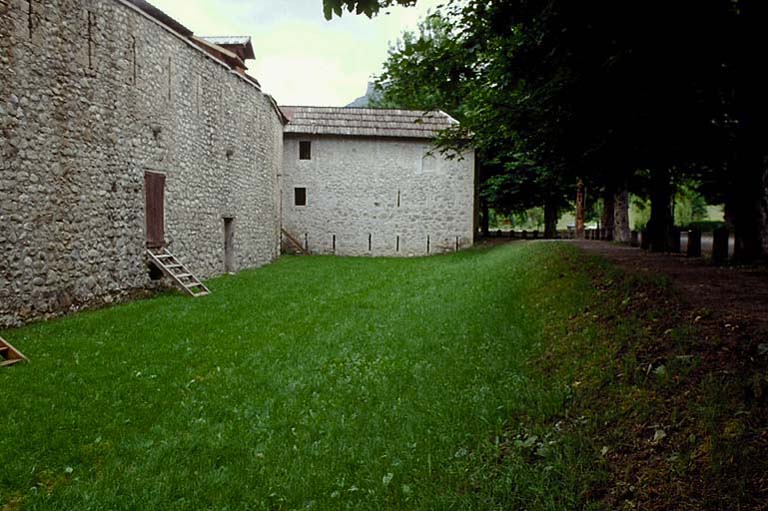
359	181
101	103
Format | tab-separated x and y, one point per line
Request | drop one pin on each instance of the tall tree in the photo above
554	91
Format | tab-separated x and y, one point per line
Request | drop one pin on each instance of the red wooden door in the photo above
154	185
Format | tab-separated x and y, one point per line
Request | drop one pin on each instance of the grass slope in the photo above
313	383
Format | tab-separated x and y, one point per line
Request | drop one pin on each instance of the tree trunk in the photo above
747	195
607	217
764	214
580	199
551	216
661	222
621	231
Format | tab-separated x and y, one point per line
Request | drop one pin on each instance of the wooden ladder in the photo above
10	355
178	272
293	241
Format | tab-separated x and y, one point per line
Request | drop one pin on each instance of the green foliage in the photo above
549	91
368	7
425	70
530	219
690	205
690	208
640	212
705	225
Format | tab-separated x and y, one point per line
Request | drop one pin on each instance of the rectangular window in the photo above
305	150
300	196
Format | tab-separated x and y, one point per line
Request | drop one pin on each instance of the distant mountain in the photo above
370	95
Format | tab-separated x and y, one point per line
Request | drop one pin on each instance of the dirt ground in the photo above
738	295
712	402
728	307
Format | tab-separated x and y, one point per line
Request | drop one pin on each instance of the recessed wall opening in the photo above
154	212
229	245
31	19
429	163
170	78
154	189
305	150
91	26
300	196
133	60
155	273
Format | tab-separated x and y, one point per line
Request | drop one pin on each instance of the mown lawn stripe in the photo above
313	383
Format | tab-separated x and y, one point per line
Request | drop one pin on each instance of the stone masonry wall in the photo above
93	94
353	185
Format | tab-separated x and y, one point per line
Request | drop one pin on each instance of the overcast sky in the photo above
302	59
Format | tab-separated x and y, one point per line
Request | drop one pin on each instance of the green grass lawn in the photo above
313	383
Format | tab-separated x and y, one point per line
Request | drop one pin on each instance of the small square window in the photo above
300	196
305	150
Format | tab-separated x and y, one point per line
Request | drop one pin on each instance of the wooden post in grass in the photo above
645	240
634	239
720	238
525	234
694	243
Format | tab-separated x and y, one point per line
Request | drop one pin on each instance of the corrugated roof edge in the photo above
253	83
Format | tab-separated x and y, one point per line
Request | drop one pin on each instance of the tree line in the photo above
631	96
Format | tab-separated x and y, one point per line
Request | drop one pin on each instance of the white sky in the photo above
302	59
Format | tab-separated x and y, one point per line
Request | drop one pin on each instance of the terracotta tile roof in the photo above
365	122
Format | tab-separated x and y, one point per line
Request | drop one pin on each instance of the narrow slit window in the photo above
170	78
31	19
133	60
305	150
300	196
91	44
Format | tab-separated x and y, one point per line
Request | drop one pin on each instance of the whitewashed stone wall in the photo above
92	94
352	193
